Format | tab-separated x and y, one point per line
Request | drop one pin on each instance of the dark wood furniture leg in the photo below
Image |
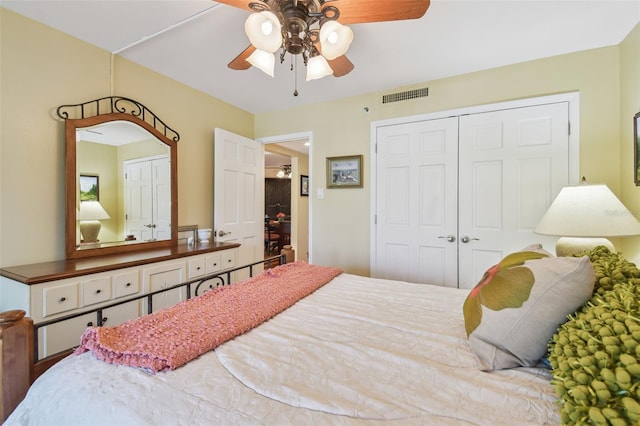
16	359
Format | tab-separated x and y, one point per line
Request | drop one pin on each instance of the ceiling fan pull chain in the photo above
295	74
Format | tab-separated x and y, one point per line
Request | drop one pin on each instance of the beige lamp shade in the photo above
318	67
587	211
335	39
262	60
90	215
264	31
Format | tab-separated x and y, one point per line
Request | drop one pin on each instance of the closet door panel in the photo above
416	202
485	204
534	191
512	164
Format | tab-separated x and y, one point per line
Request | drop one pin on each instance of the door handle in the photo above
222	233
451	238
465	239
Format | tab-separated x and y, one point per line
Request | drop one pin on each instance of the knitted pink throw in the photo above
173	336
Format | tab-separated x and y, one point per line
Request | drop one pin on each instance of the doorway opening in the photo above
287	166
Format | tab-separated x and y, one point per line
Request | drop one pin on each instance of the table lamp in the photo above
584	215
90	215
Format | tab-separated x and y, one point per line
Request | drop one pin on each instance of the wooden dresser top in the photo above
55	270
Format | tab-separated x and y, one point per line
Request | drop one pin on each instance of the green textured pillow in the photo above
594	355
519	303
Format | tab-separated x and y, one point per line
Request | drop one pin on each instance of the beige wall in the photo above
629	106
43	68
341	220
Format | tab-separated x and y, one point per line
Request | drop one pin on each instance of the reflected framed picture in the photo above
89	187
344	172
304	185
636	148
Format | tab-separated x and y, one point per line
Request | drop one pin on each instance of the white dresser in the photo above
54	289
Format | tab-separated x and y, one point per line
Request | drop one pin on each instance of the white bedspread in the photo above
357	351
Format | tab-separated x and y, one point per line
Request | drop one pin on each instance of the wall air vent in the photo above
405	96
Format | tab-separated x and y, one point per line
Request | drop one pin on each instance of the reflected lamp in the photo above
90	215
583	216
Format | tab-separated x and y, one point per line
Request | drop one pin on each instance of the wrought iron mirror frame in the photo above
104	110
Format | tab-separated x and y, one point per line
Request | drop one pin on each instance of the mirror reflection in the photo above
123	175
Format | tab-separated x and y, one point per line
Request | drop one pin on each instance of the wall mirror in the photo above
121	178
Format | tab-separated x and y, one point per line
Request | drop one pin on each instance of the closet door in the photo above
512	165
416	196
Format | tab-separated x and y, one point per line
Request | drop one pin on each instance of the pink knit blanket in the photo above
173	336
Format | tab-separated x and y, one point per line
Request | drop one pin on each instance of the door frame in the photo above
572	98
293	137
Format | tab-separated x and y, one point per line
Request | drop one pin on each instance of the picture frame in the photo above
89	187
344	172
304	185
187	232
636	149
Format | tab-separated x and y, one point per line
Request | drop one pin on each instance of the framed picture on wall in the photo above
344	172
636	148
89	187
304	185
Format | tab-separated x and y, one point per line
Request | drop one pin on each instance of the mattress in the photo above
357	351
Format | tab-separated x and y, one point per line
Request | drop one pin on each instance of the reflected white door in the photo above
239	194
161	170
417	180
148	198
512	165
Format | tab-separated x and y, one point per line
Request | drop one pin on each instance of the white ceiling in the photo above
193	40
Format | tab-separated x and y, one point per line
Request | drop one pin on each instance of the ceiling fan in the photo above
314	29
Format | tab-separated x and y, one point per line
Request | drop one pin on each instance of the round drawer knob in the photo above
98	291
63	299
127	285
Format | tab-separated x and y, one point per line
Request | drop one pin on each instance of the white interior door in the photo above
416	166
239	194
512	165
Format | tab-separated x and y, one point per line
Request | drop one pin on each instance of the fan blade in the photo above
340	66
361	11
242	4
240	62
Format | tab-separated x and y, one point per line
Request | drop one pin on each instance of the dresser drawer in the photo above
59	299
196	267
96	291
228	259
126	284
213	263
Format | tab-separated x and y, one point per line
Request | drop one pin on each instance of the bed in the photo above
355	351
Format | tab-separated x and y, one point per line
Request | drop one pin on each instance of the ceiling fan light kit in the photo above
311	28
262	60
264	31
318	67
335	39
